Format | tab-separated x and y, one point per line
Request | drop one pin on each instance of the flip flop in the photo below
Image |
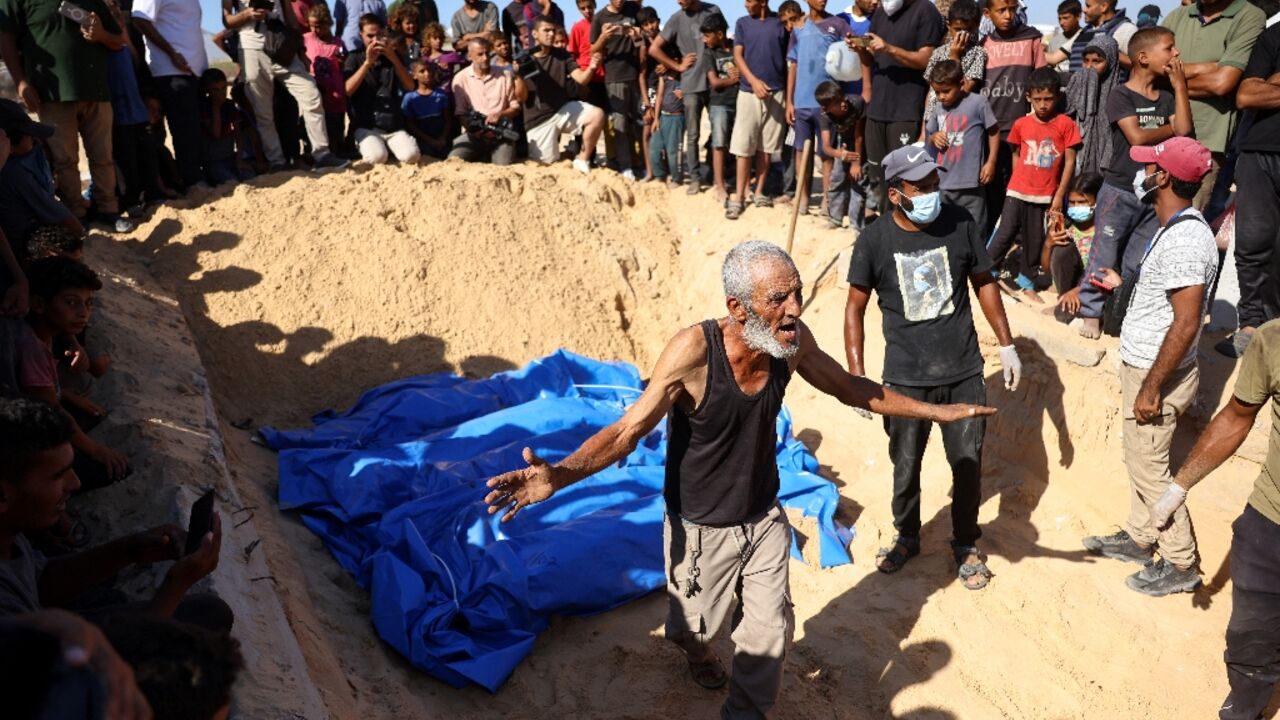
709	673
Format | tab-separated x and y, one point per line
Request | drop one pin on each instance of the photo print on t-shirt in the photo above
1040	153
925	280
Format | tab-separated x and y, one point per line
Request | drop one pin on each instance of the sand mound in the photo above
332	285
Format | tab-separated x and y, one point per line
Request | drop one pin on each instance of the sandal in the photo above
733	210
974	576
890	561
764	201
709	673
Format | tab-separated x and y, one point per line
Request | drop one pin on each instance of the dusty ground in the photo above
302	292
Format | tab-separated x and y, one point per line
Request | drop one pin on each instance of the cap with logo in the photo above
1181	157
13	119
911	163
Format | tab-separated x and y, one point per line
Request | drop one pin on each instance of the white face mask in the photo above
891	7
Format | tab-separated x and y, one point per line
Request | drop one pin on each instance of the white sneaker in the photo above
581	166
628	175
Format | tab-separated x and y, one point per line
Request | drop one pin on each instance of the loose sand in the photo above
301	292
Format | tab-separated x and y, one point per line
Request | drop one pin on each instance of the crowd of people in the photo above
967	150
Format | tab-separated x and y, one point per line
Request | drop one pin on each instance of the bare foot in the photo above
1033	296
1090	328
721	196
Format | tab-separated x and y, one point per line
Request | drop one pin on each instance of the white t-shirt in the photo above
178	22
1183	256
1123	32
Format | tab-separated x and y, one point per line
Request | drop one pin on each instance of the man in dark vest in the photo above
722	382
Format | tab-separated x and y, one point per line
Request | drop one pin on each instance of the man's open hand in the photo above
954	413
519	489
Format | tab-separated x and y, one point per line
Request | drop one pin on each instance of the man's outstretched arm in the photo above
513	491
823	372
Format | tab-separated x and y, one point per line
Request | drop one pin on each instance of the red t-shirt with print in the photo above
1041	148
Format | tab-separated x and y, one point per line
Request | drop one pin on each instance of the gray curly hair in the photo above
736	271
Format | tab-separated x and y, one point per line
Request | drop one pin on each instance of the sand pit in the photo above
301	292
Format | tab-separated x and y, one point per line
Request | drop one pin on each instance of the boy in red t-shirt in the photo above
1044	146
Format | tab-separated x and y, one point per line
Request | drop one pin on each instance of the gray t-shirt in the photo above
19	577
966	126
1183	255
463	24
683	35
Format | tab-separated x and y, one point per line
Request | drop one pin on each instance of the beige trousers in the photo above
711	559
73	121
260	75
1146	456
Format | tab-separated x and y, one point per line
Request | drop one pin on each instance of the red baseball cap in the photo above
1181	157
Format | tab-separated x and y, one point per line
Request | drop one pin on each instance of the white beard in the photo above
759	337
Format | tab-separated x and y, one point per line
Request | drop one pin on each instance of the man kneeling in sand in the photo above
722	382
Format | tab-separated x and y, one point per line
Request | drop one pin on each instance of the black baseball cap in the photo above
13	119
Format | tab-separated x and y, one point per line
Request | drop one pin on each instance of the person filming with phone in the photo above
59	60
36	480
376	83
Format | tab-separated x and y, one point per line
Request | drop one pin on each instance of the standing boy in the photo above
759	53
616	36
1159	374
426	112
1140	114
722	78
1043	145
683	35
961	128
807	69
920	259
840	129
1014	51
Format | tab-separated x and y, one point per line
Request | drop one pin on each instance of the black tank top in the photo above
721	462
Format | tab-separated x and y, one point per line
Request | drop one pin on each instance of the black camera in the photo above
479	127
524	65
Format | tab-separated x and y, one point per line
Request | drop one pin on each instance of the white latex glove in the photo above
1012	366
1168	504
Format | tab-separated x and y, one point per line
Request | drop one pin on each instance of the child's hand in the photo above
855	168
987	173
734	75
1070	300
117	465
84	404
958	45
1109	278
100	365
1177	73
939	140
679	94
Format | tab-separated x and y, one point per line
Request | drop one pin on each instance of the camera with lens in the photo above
479	127
524	65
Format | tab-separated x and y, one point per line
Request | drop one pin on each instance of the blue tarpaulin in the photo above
395	488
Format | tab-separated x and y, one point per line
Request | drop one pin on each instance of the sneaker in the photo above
581	166
329	161
695	187
1160	577
1234	346
628	175
1118	546
834	224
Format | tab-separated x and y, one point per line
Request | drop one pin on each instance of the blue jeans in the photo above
667	138
845	196
721	125
1125	225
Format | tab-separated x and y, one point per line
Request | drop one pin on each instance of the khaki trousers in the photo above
73	121
711	560
260	75
1146	456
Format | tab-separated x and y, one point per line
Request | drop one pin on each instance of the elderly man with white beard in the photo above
721	384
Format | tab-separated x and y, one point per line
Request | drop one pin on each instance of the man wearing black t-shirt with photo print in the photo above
920	257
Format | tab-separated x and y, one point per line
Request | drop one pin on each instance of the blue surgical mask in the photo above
924	208
1080	213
